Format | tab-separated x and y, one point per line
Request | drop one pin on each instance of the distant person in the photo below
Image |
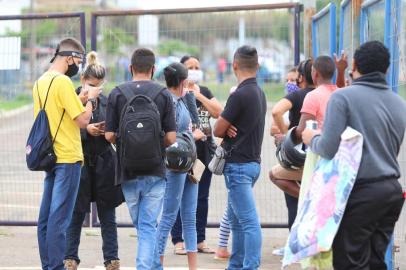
97	176
207	107
55	92
140	165
221	69
243	118
375	203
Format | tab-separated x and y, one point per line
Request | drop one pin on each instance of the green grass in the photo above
273	92
17	102
402	91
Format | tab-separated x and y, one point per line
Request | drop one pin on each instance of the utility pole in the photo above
356	12
309	10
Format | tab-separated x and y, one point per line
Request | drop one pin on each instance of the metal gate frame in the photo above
297	9
329	10
81	16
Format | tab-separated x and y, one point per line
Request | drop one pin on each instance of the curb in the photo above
7	114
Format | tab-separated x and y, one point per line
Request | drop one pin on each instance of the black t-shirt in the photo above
115	104
205	148
204	115
296	98
246	109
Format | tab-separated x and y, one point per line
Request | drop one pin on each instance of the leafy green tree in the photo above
176	47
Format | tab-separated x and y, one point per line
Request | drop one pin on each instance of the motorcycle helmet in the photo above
181	155
289	154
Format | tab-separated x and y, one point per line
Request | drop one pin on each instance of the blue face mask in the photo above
291	87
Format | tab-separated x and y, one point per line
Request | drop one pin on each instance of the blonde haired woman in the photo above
97	175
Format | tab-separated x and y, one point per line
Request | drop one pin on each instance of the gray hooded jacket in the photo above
371	108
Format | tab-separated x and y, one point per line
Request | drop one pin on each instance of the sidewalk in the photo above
19	250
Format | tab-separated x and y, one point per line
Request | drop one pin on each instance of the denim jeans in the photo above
58	200
242	214
180	192
144	196
108	225
201	211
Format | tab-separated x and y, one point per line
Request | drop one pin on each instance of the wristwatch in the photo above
94	102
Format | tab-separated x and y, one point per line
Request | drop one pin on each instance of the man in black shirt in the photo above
143	190
242	126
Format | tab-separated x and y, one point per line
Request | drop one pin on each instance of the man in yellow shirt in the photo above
66	114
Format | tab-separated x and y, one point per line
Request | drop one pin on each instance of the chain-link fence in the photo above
213	35
27	43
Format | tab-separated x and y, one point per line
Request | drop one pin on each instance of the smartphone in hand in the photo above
101	125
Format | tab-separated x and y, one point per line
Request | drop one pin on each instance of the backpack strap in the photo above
45	103
46	98
129	91
59	125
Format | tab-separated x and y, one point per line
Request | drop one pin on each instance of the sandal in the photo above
179	250
206	250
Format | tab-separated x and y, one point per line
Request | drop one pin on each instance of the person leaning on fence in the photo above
64	109
375	203
97	176
207	107
243	117
143	186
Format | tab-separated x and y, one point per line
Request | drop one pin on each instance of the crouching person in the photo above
97	176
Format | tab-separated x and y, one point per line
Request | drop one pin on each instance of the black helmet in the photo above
287	153
181	155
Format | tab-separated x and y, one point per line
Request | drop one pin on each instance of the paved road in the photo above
19	250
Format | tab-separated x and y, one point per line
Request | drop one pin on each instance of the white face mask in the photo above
87	87
195	76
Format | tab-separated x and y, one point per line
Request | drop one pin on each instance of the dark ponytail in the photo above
174	74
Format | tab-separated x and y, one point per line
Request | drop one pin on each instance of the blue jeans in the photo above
243	216
58	200
144	196
107	217
180	192
201	212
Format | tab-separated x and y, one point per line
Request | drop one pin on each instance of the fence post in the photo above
356	15
298	9
309	11
93	32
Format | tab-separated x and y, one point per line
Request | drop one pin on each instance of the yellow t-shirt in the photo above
62	95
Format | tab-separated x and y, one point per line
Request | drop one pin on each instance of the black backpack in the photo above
40	155
140	135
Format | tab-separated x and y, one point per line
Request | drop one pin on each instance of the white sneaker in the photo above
278	251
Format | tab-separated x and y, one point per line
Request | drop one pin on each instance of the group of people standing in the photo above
365	103
93	143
